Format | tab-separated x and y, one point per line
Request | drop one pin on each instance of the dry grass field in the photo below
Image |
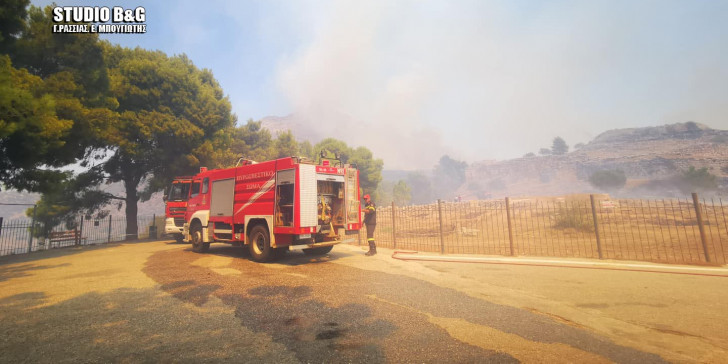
645	230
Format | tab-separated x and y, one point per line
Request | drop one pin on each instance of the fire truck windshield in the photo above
178	192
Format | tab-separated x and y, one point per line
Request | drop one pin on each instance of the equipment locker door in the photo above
352	196
221	202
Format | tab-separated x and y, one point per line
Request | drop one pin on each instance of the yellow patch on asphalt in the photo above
514	345
219	265
212	261
226	271
78	270
116	323
299	275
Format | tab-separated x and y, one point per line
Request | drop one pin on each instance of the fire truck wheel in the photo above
198	245
260	249
318	251
179	238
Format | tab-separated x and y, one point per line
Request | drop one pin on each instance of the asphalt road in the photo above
158	301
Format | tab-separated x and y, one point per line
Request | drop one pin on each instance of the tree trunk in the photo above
132	229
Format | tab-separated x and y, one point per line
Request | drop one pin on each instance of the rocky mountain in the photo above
648	156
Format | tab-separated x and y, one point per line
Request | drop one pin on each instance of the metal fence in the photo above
687	231
16	237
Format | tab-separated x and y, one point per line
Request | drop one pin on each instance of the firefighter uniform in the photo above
370	220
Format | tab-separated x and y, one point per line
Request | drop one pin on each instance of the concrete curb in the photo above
567	263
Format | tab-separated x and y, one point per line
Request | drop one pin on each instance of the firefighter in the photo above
370	220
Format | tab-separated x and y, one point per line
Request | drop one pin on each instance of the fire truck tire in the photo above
198	245
260	249
179	238
318	251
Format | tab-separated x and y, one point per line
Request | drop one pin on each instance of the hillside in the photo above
154	206
13	197
280	124
648	156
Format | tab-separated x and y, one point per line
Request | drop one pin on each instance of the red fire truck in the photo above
273	206
175	200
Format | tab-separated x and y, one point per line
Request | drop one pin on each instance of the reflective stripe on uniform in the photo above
371	239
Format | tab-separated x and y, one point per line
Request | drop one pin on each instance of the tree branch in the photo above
113	197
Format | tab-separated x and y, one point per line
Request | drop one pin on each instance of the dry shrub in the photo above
571	217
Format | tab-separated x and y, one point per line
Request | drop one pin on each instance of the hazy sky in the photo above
412	80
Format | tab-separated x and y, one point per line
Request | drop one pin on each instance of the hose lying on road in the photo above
629	267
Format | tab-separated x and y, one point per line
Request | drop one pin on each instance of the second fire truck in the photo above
175	205
273	206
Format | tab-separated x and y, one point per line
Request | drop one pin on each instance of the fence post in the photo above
108	239
510	229
80	233
154	223
699	216
394	231
1	226
596	226
32	229
442	236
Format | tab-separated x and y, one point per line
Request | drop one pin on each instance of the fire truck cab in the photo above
274	205
175	205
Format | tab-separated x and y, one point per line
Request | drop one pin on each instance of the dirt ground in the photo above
157	301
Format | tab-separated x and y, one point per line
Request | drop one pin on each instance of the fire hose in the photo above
628	267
